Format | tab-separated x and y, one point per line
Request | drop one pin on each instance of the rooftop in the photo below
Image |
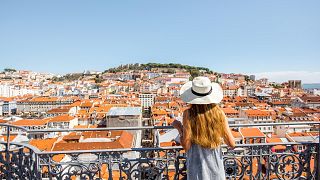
251	132
125	111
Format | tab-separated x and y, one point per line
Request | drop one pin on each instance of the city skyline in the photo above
307	77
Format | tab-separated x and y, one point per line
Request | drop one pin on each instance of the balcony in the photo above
247	161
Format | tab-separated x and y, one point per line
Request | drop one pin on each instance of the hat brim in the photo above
187	96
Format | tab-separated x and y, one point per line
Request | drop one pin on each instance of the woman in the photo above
204	128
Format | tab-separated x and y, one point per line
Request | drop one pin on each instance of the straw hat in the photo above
201	91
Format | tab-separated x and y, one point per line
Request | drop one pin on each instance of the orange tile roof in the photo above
230	111
82	112
86	103
6	98
77	103
159	112
61	118
167	144
71	136
232	87
80	127
12	137
124	141
43	144
102	134
86	146
3	121
251	132
61	109
236	134
297	134
58	157
256	112
30	122
260	104
276	140
44	99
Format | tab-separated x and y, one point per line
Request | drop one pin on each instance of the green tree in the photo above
194	73
98	79
9	70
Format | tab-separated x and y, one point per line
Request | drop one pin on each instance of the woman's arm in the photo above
184	131
185	137
228	137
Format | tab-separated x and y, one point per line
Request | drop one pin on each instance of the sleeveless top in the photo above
205	163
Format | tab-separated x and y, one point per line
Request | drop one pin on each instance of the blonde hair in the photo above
207	125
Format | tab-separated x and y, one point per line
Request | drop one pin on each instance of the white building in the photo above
31	124
230	91
147	99
11	90
258	116
61	122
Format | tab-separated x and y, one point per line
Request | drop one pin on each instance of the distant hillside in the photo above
164	68
150	66
68	77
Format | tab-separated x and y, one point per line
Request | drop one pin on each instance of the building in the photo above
294	84
95	140
147	99
302	137
230	112
259	116
8	106
276	139
252	77
32	124
249	91
63	110
40	105
61	122
306	101
124	117
230	90
252	136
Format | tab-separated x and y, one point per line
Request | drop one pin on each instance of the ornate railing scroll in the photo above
135	163
260	162
19	161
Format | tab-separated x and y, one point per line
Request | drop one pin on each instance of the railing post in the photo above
8	139
318	155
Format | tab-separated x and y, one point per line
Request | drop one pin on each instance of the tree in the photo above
194	73
98	79
149	66
247	78
9	70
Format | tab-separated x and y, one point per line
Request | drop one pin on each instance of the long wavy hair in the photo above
207	125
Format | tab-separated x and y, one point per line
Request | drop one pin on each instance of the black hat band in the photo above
201	94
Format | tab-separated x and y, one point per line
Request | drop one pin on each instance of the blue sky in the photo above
247	36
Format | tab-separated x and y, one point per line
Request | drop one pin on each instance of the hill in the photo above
150	66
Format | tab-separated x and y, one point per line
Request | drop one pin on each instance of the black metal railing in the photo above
246	161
